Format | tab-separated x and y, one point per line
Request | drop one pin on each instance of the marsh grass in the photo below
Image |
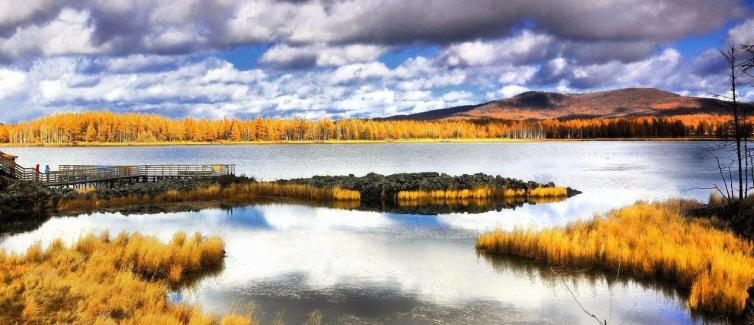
545	192
233	193
648	240
101	279
480	194
445	202
509	201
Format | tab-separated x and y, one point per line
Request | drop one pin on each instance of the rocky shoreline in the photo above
21	202
378	188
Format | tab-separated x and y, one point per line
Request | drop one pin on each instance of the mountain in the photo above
611	103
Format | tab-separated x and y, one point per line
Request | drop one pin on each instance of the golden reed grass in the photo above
483	193
445	202
105	280
648	240
240	192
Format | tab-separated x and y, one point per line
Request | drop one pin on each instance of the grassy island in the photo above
418	192
647	240
105	280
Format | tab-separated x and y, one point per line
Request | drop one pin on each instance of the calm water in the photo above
370	267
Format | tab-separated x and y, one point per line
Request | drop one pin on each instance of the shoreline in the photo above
346	142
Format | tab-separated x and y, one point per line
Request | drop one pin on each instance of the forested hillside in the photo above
107	127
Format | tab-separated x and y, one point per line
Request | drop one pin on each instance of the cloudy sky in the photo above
342	58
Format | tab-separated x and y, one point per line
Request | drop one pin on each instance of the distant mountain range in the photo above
538	105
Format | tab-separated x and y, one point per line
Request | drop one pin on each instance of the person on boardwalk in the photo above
36	173
47	173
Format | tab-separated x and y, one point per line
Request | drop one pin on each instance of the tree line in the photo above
108	127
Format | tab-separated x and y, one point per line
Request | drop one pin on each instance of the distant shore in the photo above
479	140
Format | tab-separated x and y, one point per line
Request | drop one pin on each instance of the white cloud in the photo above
527	47
747	95
557	65
742	33
172	38
212	87
286	56
11	82
360	71
457	96
650	72
70	32
510	91
516	74
15	12
215	88
137	62
348	80
154	26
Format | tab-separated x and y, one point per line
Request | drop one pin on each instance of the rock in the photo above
25	201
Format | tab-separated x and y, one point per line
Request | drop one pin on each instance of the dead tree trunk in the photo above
730	57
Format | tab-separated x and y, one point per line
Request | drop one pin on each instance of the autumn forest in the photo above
108	127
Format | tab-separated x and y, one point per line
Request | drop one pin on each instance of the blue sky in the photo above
345	58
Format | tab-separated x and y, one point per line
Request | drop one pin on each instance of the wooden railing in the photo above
74	175
80	174
16	171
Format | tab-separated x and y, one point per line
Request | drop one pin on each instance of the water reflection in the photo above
358	266
361	266
26	223
581	283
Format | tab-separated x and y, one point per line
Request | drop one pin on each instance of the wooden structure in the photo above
82	175
8	157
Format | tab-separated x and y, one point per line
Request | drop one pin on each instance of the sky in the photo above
350	59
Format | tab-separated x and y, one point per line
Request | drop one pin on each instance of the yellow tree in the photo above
91	133
235	131
261	132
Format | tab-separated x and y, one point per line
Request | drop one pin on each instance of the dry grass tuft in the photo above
450	194
101	279
85	190
341	194
544	192
648	240
483	193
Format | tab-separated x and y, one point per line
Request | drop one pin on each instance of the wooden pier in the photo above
85	175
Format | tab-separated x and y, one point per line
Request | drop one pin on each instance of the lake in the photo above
287	260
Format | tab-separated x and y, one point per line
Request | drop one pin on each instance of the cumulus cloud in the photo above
11	82
160	27
213	87
646	72
510	91
330	57
743	33
525	48
70	32
530	47
285	56
392	21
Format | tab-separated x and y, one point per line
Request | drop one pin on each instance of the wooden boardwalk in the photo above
74	175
